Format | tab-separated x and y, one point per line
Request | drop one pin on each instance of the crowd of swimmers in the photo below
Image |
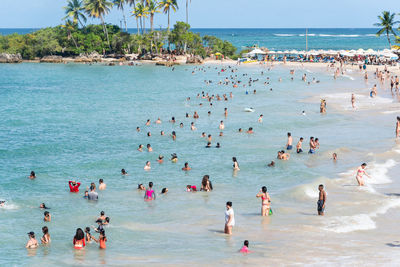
81	238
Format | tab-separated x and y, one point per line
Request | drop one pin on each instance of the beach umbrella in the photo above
360	51
294	52
370	52
256	51
271	52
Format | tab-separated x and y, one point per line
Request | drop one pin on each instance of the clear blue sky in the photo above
220	13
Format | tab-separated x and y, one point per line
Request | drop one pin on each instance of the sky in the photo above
219	13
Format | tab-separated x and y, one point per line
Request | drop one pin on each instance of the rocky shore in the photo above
113	59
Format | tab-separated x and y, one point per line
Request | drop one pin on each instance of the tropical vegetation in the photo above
387	23
75	37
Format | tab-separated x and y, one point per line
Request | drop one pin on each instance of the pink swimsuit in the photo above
149	194
244	249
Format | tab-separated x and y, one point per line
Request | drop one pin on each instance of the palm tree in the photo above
120	5
75	10
187	11
70	26
98	9
166	5
386	22
133	3
153	9
141	13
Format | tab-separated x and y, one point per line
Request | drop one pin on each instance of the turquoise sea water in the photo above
79	122
287	39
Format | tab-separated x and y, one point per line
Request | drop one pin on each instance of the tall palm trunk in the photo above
187	12
73	39
141	26
105	31
390	44
168	19
123	14
144	25
151	22
137	21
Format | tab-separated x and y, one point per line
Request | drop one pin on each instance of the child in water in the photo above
245	248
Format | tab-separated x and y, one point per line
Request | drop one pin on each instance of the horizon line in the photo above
224	28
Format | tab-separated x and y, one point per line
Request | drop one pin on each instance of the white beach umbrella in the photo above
271	52
295	52
360	51
370	52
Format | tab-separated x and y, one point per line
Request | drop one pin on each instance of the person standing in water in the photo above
398	127
353	100
265	201
298	146
360	173
32	242
46	236
321	200
79	239
289	145
235	164
229	218
150	194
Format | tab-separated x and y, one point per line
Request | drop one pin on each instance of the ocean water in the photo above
79	122
287	39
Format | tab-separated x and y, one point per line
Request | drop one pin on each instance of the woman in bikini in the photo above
265	201
360	173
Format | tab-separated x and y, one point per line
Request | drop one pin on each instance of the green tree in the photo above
98	9
120	5
153	8
386	21
166	6
70	26
141	13
75	10
133	3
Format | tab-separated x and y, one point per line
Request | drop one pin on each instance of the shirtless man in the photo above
360	173
353	100
321	200
312	146
289	141
102	185
299	144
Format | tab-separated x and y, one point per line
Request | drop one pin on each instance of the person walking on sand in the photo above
229	218
321	200
360	173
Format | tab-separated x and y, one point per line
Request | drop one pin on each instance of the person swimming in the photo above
174	158
123	172
186	167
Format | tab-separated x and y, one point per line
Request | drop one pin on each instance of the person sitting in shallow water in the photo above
160	159
123	172
250	130
141	187
33	175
